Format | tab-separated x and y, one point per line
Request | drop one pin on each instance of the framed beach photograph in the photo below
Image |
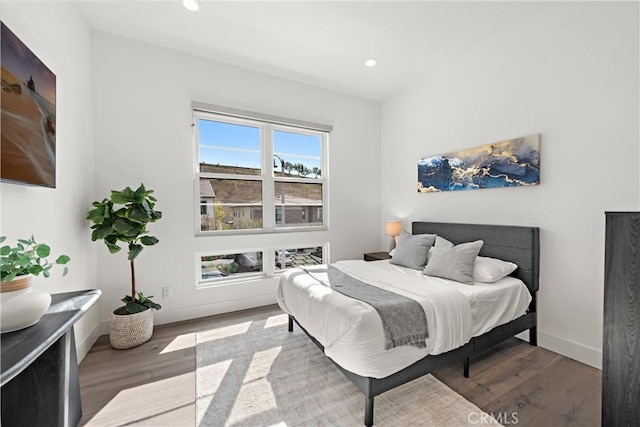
28	121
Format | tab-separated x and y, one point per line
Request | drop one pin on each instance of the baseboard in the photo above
203	310
83	348
571	349
105	327
211	309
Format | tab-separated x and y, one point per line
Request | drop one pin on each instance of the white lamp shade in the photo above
392	228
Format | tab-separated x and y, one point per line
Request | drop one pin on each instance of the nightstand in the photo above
376	256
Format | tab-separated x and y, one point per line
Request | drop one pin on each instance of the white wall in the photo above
143	118
571	74
56	216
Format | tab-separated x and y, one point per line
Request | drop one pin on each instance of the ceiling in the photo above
323	43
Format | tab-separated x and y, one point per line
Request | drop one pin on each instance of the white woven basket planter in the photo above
130	330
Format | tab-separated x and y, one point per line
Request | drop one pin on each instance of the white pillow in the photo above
490	270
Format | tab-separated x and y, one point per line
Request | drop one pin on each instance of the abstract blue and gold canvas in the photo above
515	162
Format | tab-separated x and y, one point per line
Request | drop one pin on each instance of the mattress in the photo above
351	331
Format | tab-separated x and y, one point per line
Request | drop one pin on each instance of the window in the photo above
221	268
214	267
257	176
290	258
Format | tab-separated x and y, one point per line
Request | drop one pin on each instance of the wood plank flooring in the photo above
154	384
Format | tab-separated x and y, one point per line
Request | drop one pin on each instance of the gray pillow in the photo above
453	262
411	250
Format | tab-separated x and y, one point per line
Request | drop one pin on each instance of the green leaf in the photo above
46	273
140	194
63	259
36	269
134	251
111	238
65	271
112	247
139	214
101	232
152	304
122	197
96	215
23	260
9	276
134	307
141	298
43	250
126	227
148	240
3	238
5	250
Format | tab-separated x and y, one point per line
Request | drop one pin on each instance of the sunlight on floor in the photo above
144	402
211	377
278	320
256	394
224	332
180	343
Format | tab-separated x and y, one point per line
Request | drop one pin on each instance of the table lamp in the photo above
393	229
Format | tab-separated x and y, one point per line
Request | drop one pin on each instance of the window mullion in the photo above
325	184
268	187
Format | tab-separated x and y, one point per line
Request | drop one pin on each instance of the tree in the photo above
288	167
218	214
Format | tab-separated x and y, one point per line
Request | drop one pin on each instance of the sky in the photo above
20	61
237	145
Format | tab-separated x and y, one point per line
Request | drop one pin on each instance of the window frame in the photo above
269	269
267	175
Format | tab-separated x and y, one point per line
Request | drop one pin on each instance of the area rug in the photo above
259	374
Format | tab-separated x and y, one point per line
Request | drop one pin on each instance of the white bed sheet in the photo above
351	331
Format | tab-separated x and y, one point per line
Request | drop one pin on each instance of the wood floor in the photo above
154	384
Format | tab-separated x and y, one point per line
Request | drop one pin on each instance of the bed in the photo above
349	334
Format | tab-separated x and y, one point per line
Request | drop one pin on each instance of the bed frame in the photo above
517	244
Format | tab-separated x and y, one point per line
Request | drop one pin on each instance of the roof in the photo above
206	190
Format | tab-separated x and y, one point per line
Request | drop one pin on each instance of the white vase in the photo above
21	306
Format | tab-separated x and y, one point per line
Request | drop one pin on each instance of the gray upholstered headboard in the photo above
520	245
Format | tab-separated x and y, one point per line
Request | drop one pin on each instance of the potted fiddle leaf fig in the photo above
122	219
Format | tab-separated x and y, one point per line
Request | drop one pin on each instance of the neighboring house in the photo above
289	210
207	197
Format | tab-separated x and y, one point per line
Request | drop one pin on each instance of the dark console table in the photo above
39	378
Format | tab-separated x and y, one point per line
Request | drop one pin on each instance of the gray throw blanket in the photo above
403	319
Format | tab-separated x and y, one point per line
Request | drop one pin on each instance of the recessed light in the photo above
371	62
192	5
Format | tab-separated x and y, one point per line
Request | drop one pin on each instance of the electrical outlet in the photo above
166	292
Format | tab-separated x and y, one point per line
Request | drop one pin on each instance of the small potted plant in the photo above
23	306
123	218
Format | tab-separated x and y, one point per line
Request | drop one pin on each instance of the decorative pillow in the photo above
411	250
490	270
453	262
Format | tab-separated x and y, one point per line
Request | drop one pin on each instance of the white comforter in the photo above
351	330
